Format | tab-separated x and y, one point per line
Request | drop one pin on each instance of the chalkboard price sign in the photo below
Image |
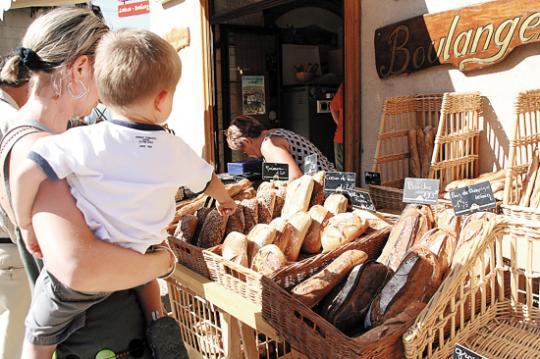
461	352
360	199
421	190
372	178
339	181
310	164
275	171
470	199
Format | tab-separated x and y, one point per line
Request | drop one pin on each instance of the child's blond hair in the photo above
133	64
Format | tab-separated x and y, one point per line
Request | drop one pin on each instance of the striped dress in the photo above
300	147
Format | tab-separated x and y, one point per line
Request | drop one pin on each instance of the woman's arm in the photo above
76	258
276	149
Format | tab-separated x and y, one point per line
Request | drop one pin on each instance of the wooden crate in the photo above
525	139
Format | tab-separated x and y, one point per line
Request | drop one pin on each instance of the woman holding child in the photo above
59	49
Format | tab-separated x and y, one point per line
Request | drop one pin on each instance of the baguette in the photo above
448	221
235	247
312	290
319	217
415	169
429	141
421	147
298	196
342	229
336	203
530	180
268	260
489	176
300	222
442	244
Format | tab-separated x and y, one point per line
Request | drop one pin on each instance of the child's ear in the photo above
159	99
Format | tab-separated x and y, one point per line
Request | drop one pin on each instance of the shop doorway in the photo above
280	62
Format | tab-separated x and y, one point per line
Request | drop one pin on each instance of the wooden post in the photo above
208	84
352	85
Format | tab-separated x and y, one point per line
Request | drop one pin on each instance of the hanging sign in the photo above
469	38
133	8
470	199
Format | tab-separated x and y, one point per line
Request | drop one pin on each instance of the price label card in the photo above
372	178
360	199
275	171
461	352
421	190
310	164
471	199
339	181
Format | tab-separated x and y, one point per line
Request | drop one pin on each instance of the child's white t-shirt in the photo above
124	177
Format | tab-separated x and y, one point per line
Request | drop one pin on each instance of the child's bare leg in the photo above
31	351
150	298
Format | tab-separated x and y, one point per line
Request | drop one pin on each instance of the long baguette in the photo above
421	146
429	140
415	169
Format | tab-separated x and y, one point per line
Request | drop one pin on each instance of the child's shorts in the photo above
56	311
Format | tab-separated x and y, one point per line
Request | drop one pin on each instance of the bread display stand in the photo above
526	138
248	283
488	303
217	323
456	149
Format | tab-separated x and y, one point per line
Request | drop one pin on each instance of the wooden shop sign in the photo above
469	38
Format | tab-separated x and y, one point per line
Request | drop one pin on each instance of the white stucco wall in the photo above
187	118
499	84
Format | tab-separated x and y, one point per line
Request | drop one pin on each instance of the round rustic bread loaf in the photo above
268	260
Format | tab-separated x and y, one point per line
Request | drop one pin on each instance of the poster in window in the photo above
253	96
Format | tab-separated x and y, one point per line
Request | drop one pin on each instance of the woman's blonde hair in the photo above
56	39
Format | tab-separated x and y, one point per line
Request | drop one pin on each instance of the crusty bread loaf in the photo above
235	248
375	220
268	260
213	230
300	222
185	231
236	222
415	168
471	230
319	216
284	233
298	196
317	196
410	228
281	193
266	201
416	279
251	213
341	229
312	290
441	243
261	235
248	193
336	203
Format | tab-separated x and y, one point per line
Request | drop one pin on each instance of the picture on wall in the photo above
253	95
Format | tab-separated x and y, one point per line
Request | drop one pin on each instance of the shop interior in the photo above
279	61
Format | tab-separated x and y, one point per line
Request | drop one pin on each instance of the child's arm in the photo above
25	185
216	189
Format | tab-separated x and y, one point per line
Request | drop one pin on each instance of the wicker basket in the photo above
525	139
248	283
455	155
190	256
201	330
489	301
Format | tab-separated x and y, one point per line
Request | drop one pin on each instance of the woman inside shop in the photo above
58	49
248	135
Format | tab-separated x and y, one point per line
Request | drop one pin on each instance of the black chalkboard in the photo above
275	171
336	181
360	199
310	164
461	352
470	199
421	190
372	178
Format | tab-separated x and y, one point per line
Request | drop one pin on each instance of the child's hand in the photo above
30	240
226	208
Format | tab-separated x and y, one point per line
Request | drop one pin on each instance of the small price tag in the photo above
471	199
461	352
339	181
373	178
421	190
275	171
360	199
310	164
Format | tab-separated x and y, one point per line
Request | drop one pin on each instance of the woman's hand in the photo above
30	241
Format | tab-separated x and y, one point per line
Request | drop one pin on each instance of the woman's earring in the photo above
79	96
